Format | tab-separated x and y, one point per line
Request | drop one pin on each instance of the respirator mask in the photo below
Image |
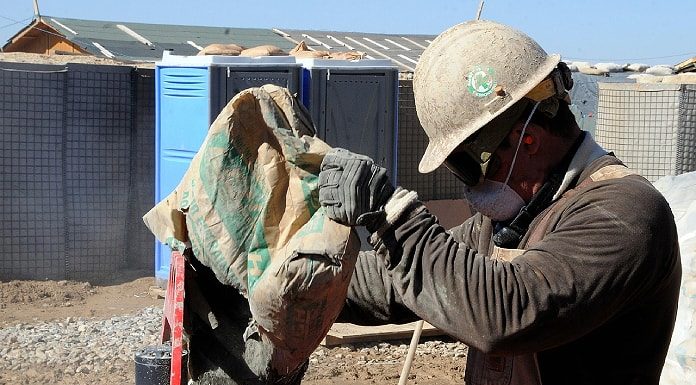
497	200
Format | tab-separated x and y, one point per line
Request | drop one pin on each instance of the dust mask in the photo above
497	200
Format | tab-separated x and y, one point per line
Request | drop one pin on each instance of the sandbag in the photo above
302	51
637	67
645	78
683	78
592	71
221	49
348	55
609	67
249	207
263	50
659	70
311	54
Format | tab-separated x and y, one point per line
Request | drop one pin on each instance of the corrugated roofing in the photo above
404	50
130	41
163	37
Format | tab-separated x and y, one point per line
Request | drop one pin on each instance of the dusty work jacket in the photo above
591	299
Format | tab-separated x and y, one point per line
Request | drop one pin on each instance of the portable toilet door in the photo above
354	106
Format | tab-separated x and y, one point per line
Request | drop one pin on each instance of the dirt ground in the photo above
33	301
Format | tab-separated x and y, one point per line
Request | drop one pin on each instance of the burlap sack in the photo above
349	55
263	50
302	51
248	206
221	49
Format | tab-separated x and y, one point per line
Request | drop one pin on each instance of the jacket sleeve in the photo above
372	298
602	254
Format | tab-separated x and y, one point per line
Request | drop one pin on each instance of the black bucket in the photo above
153	363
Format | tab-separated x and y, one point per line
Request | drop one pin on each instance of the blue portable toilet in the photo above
190	91
354	105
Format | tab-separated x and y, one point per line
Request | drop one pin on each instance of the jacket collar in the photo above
588	152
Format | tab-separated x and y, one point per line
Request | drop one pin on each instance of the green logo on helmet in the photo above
481	81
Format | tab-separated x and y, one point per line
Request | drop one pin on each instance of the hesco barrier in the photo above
77	170
440	184
650	127
77	160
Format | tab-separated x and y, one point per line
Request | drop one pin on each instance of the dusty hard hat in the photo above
470	74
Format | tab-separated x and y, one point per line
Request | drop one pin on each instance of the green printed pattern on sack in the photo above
240	209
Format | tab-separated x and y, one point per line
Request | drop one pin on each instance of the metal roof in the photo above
402	49
130	40
147	42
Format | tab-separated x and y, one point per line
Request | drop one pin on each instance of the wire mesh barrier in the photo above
32	218
686	150
651	127
71	185
440	184
140	243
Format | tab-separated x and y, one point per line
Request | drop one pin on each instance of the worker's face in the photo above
528	173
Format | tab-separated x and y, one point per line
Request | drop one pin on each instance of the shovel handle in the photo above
411	353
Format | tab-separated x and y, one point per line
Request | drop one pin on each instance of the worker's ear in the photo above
531	139
531	142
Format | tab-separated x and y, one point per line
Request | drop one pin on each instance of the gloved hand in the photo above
351	186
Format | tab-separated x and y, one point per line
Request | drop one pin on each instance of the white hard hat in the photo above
470	74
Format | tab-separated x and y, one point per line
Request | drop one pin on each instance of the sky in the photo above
618	31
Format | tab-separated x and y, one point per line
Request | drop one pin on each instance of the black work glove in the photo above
352	187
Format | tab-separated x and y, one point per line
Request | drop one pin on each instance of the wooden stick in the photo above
411	353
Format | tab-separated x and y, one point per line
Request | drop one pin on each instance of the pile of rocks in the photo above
78	345
101	351
388	353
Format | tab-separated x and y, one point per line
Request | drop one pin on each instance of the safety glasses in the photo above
467	170
473	159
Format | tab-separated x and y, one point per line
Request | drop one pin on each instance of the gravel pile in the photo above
387	353
78	345
82	351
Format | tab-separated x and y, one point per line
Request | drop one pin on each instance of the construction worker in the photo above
570	270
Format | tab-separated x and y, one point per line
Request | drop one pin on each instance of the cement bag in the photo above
680	365
250	203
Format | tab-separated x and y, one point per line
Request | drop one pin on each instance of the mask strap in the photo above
519	142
